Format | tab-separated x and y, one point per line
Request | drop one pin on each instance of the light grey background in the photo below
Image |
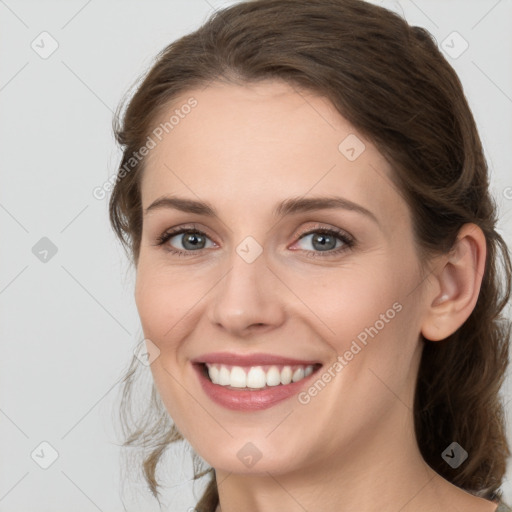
69	325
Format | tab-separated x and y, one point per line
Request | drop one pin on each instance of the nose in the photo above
247	299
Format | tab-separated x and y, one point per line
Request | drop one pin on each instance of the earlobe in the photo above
458	278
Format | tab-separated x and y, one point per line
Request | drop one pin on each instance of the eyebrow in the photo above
289	206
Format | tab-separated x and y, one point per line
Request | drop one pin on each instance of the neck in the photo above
383	471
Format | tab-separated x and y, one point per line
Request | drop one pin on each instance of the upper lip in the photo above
250	359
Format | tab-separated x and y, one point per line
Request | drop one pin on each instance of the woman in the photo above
305	198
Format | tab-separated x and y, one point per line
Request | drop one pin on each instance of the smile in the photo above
251	382
257	377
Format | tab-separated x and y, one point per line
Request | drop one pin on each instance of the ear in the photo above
456	282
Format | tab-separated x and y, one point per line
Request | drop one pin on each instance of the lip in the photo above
250	399
258	359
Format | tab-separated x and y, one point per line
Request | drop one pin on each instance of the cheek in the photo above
163	301
366	313
348	300
153	305
162	304
377	338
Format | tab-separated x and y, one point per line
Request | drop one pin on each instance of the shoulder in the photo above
502	507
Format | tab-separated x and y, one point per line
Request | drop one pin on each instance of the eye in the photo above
190	239
325	240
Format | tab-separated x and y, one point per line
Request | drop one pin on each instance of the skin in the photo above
244	149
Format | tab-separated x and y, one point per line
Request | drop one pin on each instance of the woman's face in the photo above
270	270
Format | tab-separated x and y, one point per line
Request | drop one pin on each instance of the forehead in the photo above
260	143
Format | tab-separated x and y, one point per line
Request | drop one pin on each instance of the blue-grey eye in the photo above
321	241
191	240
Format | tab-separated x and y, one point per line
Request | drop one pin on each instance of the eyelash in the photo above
347	240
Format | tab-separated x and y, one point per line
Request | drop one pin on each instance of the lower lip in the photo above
246	399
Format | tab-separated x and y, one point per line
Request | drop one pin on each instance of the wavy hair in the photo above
391	82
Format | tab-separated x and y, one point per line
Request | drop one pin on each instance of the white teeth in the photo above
273	376
286	375
224	376
238	377
256	377
213	372
298	374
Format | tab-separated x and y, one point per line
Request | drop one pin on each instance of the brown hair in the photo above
391	82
